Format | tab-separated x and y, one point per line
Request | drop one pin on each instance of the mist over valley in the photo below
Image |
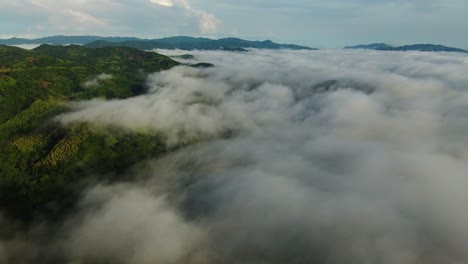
269	156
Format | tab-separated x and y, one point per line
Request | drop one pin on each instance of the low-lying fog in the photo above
298	157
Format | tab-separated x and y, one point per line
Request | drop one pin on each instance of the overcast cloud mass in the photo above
331	23
302	157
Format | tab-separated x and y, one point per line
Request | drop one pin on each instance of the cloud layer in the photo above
301	157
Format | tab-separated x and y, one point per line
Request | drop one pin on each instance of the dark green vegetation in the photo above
184	56
415	47
60	40
188	43
203	65
42	164
180	42
374	46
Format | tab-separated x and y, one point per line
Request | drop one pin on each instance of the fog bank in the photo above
296	157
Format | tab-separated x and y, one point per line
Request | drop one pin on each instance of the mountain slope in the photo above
62	70
188	43
42	162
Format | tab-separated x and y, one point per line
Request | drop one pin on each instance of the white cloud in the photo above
335	156
168	3
81	18
174	100
138	227
208	23
96	80
336	151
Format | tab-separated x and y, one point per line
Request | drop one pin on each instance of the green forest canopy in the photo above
42	163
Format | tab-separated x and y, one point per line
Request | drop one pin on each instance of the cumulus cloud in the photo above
208	23
38	18
301	157
83	18
163	2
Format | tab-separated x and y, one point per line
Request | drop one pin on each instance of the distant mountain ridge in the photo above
178	42
188	43
60	40
414	47
370	46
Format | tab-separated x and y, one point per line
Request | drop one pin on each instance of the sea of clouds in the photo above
294	157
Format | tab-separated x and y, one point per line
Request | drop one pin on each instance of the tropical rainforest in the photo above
43	164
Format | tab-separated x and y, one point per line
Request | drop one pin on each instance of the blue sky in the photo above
331	23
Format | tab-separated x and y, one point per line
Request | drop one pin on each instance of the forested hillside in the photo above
44	163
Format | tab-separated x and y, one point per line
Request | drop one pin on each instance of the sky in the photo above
331	23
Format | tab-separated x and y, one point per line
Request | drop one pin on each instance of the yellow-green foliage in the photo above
66	148
59	71
29	143
6	81
38	109
41	161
